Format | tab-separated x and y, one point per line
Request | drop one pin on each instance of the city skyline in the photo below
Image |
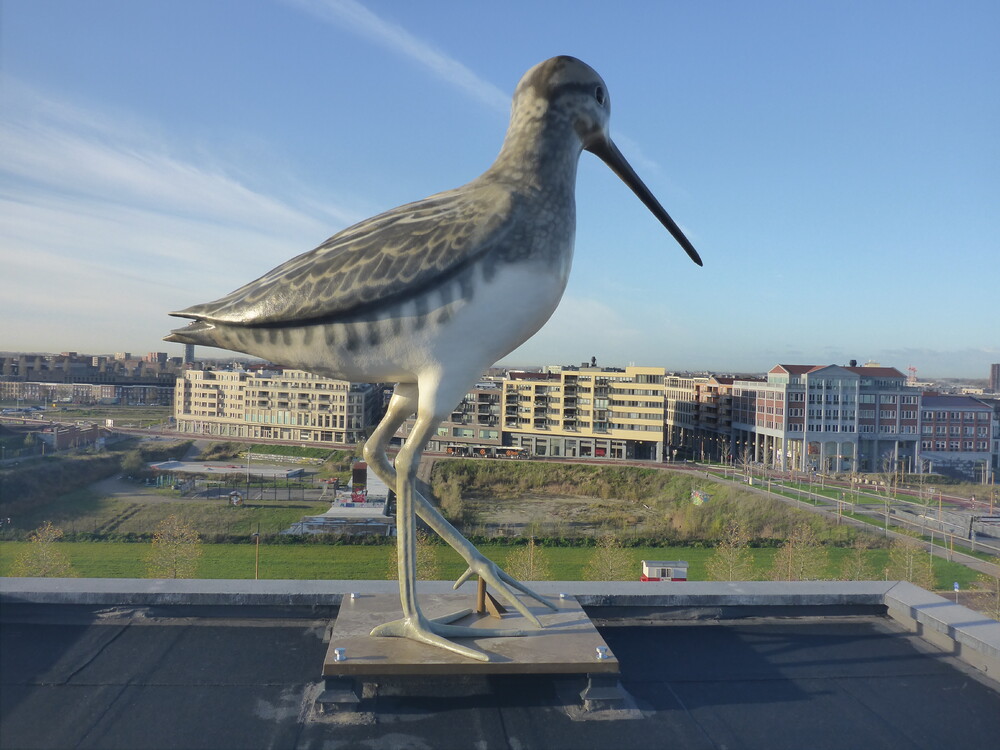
222	359
836	167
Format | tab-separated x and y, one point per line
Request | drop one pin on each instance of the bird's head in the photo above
566	92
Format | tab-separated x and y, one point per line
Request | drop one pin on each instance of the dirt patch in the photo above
125	489
551	514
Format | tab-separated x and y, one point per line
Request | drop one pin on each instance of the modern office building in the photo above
995	378
827	418
274	405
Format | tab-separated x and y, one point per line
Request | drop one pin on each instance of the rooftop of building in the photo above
236	664
869	370
945	401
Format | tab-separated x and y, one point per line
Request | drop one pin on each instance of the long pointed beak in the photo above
608	152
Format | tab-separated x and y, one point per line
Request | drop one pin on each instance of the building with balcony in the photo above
474	424
711	437
587	412
275	405
573	412
135	394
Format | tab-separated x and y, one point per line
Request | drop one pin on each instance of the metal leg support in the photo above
339	694
603	691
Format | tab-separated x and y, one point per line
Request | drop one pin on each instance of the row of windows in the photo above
468	432
954	415
814	427
954	445
941	429
832	413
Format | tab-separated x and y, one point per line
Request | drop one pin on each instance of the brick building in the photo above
958	436
827	418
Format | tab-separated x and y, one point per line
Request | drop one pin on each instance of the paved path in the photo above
968	560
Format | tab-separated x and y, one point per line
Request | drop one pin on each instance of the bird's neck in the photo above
539	152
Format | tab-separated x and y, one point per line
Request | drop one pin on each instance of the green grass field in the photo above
352	562
84	511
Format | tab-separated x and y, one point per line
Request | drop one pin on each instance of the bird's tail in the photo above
196	332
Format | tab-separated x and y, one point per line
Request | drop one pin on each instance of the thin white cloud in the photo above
356	18
72	152
104	226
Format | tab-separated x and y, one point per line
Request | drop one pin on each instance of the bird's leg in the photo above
402	404
479	564
414	624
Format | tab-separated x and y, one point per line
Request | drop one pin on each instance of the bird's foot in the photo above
437	631
503	584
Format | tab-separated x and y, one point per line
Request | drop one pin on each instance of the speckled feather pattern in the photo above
456	280
521	208
383	259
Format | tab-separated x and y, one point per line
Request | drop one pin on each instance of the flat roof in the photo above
236	664
227	468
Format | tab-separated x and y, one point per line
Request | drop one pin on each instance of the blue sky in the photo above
837	165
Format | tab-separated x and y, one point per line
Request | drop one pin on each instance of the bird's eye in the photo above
599	95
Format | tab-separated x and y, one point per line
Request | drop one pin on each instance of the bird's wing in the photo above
389	256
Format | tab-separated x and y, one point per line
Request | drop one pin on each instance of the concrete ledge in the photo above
147	591
719	594
951	627
960	631
157	592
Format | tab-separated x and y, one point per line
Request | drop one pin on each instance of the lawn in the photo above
353	562
144	416
88	512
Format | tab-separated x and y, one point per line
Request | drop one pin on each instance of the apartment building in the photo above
827	418
588	412
711	436
959	435
274	405
473	425
32	392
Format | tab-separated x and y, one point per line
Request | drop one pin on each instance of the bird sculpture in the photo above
429	295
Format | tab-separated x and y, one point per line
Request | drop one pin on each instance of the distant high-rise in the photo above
995	378
188	353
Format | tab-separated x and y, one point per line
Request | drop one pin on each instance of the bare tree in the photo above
175	551
42	558
857	565
910	561
732	559
610	562
428	568
986	596
800	558
888	475
745	461
725	452
529	563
